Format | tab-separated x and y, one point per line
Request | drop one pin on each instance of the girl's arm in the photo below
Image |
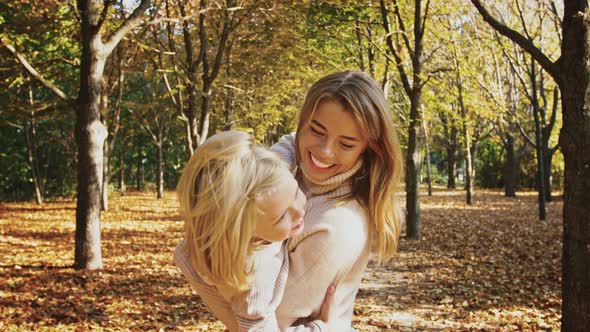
255	308
245	311
285	148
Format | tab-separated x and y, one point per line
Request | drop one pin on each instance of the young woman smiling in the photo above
349	165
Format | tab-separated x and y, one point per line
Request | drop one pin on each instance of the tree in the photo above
413	89
571	72
90	132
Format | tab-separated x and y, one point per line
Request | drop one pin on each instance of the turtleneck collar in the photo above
322	187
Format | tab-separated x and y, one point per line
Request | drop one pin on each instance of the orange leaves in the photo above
492	266
139	289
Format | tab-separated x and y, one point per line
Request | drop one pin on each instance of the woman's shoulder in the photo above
343	224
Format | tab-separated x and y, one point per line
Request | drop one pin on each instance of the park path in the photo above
492	266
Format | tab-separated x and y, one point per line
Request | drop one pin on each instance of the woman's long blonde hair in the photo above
217	192
376	184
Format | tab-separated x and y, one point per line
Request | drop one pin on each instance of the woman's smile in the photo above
316	163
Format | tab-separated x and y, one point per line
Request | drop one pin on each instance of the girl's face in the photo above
281	210
331	142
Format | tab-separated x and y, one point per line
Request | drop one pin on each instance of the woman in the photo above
349	165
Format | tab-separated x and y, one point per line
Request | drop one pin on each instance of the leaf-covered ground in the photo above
488	267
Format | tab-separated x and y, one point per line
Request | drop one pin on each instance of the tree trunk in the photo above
139	173
191	67
413	90
510	166
427	148
160	170
229	93
468	163
90	136
474	156
547	172
452	158
466	137
32	158
122	186
574	140
413	163
538	146
105	178
205	105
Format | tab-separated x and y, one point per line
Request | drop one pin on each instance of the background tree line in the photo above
257	61
138	85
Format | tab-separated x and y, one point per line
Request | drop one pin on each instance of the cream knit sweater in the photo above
254	309
333	247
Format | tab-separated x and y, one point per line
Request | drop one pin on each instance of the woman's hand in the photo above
327	313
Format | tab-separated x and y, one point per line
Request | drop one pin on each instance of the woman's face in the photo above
331	142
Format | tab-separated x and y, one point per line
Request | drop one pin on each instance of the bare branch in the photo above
105	10
519	39
522	20
130	23
402	26
52	87
394	51
171	20
524	134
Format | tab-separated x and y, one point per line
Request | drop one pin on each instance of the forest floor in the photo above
492	266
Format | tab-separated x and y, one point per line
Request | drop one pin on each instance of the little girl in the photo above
239	203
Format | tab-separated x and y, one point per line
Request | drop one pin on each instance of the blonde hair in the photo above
217	194
376	184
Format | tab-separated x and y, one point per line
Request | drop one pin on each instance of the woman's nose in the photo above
326	149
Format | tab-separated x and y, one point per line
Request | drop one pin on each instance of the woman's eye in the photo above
346	146
315	131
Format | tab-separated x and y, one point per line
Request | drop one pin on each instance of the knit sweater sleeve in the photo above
255	308
323	255
285	148
251	310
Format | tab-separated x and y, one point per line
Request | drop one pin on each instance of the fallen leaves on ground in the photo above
492	266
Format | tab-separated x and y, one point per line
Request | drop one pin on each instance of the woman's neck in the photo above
331	183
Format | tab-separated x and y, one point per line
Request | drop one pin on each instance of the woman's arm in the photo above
255	307
252	310
325	254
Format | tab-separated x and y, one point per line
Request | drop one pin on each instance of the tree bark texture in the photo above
90	132
191	65
90	135
32	157
451	144
574	140
510	166
122	186
427	151
413	164
160	176
413	89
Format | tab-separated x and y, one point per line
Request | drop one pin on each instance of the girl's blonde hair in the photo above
376	184
217	194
